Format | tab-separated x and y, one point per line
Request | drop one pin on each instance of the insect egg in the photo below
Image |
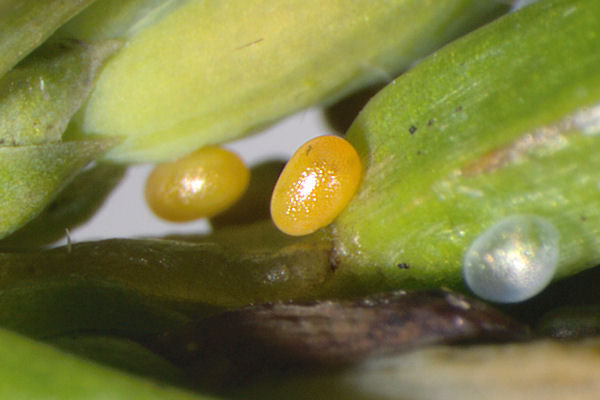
513	260
316	185
201	184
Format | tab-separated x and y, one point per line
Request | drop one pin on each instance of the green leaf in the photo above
41	94
141	287
25	24
32	370
37	100
73	207
499	123
120	353
207	72
33	175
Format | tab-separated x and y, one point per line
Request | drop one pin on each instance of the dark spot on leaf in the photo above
459	109
412	129
430	122
403	266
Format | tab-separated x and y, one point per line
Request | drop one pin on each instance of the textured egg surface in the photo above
316	185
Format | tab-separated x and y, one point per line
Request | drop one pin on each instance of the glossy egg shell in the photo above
315	186
201	184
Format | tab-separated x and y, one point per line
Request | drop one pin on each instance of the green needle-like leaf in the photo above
37	100
41	94
73	207
25	24
502	122
31	176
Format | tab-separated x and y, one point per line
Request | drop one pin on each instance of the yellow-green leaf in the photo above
207	72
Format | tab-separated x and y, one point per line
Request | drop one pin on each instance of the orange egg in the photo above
199	185
315	185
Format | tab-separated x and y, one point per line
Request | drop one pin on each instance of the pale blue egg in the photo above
513	260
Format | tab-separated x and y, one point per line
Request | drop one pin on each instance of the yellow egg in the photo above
315	185
199	185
